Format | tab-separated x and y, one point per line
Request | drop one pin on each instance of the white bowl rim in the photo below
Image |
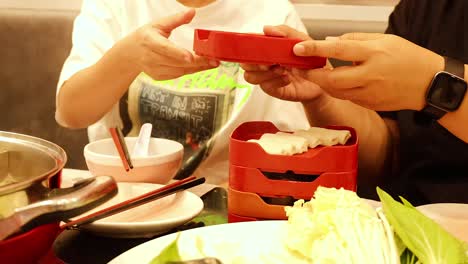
105	159
455	212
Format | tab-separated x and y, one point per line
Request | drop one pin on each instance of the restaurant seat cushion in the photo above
34	45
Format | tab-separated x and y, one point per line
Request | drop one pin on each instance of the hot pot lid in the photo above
25	160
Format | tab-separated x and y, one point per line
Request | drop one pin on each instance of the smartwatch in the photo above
447	90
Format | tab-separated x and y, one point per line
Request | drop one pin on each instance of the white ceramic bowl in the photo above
160	166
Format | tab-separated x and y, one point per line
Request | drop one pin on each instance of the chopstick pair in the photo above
119	141
134	202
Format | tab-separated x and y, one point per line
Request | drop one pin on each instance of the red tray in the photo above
252	180
233	218
253	206
251	48
339	158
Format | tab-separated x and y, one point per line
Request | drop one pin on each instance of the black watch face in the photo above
446	91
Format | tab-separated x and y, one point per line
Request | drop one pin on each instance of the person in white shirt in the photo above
131	63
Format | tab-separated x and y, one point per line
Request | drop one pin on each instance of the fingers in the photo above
260	77
161	45
284	31
166	53
361	36
167	24
170	72
344	77
154	37
204	61
342	49
268	77
271	86
254	67
153	60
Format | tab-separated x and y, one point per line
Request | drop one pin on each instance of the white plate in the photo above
375	204
145	220
70	176
256	239
452	216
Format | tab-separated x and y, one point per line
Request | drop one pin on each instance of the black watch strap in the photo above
454	67
433	112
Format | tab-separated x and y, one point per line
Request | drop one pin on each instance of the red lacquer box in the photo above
251	48
261	184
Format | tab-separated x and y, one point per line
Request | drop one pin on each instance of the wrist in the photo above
319	103
120	61
435	65
447	90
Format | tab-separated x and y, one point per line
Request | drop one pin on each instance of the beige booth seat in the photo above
33	46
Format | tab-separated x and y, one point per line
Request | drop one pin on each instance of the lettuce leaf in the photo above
407	257
170	253
427	240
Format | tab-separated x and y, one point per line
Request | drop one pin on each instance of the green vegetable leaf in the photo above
428	241
210	219
408	258
405	202
170	253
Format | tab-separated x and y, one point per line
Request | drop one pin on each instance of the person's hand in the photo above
278	81
149	50
388	72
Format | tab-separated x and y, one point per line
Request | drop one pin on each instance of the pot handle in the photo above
65	204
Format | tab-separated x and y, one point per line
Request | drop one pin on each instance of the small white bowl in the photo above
160	166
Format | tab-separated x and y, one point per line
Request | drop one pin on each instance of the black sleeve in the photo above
399	20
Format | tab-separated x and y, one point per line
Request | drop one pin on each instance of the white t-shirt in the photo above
192	108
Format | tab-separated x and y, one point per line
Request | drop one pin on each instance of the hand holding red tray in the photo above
252	48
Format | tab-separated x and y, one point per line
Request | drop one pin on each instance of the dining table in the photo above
79	246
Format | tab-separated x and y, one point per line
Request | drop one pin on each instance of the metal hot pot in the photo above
32	204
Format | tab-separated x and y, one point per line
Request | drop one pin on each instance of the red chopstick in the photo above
121	146
144	198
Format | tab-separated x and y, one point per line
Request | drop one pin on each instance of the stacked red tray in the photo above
261	184
250	48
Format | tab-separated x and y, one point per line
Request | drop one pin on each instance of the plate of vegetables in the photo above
335	226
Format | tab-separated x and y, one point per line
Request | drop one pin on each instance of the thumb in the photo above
285	31
167	24
359	36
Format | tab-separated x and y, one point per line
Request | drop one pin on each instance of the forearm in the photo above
90	93
455	121
375	140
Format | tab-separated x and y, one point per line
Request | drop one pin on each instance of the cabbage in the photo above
336	226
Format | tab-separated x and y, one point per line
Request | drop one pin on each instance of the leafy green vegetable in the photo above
170	253
407	257
210	219
427	240
395	246
401	247
405	202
